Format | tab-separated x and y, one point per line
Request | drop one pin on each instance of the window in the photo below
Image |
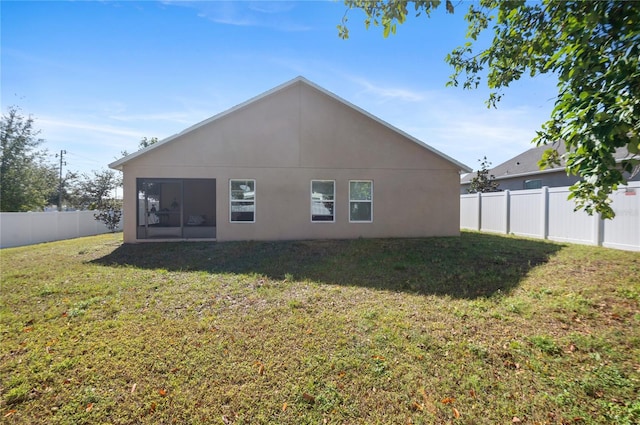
242	201
533	184
361	201
323	193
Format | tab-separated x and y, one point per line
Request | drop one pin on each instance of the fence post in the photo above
598	231
544	204
77	223
31	218
479	215
507	206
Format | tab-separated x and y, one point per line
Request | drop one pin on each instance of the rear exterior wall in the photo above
291	137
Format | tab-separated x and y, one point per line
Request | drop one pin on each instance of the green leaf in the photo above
593	49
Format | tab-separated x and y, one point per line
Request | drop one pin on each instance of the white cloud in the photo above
271	6
456	124
386	93
177	117
54	125
264	14
454	121
90	143
468	132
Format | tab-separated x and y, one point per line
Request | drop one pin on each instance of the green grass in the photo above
479	329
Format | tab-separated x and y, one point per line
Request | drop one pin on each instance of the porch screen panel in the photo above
159	208
199	212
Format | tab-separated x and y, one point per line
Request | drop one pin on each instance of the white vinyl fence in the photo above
27	228
547	213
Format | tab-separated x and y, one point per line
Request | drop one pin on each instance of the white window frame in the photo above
231	201
538	184
332	201
360	201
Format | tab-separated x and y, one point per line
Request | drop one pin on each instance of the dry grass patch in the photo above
479	329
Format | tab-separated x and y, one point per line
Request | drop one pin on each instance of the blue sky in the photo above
99	76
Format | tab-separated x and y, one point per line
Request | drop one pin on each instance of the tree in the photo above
144	143
483	181
68	192
93	191
593	47
110	213
26	179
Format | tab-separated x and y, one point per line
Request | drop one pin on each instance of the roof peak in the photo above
299	79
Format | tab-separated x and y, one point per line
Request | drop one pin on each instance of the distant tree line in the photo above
29	181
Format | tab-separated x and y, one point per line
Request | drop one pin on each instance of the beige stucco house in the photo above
296	162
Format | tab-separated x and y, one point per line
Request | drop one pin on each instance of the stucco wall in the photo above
298	134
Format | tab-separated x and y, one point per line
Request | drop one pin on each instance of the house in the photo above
523	172
296	162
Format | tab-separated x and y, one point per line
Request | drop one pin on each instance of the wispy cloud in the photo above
387	92
264	14
37	61
89	142
271	6
177	117
54	124
468	131
454	121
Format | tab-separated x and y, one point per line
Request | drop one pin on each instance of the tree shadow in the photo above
471	266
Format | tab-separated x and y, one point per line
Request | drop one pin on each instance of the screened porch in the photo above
176	208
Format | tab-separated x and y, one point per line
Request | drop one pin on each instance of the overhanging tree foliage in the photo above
594	49
27	181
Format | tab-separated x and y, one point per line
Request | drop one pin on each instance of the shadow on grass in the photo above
471	266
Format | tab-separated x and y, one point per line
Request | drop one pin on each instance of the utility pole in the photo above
62	162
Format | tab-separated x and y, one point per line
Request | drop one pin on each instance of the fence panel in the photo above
493	216
525	213
18	229
469	212
567	225
44	227
67	225
547	213
623	232
15	229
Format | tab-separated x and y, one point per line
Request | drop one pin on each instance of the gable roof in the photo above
298	80
526	164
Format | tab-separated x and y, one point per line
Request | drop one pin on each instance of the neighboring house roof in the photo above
526	164
298	80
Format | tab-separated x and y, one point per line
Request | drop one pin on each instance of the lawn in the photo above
480	329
